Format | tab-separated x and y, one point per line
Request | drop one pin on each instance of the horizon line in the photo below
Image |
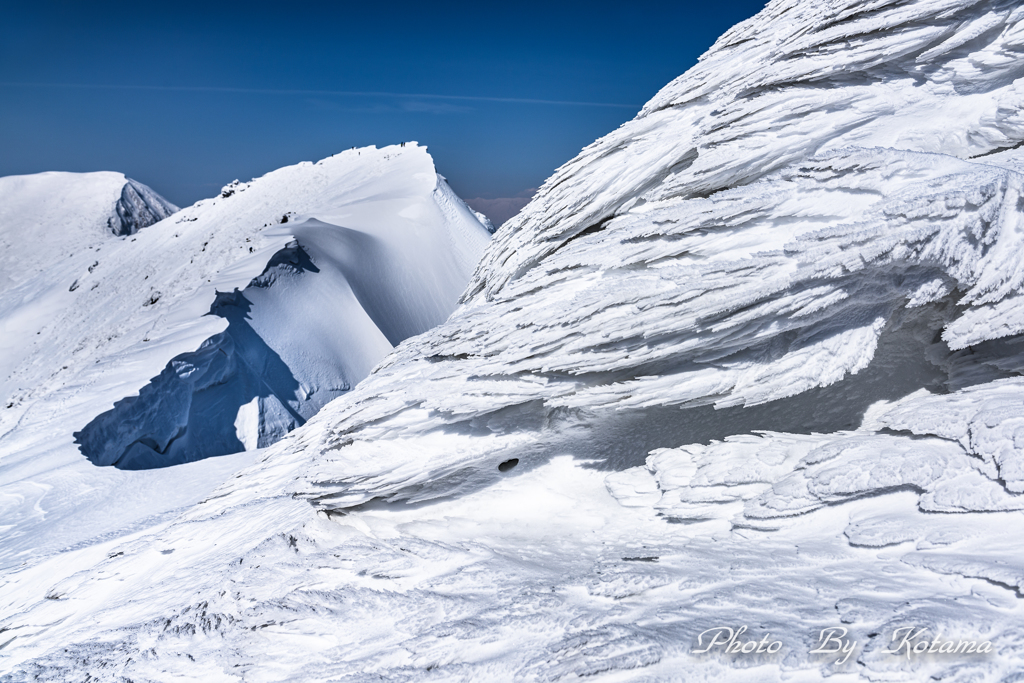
344	93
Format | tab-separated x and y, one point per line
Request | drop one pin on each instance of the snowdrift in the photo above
752	360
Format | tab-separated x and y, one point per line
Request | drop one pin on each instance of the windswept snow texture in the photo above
757	358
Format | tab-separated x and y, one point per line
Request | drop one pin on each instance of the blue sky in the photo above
187	96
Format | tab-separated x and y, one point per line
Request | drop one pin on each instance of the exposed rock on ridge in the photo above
139	207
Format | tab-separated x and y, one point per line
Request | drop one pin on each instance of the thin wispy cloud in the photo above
394	105
433	107
335	93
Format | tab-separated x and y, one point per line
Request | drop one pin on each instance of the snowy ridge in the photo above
69	211
752	359
328	305
285	310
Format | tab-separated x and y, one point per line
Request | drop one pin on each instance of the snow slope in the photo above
752	360
379	255
214	331
49	216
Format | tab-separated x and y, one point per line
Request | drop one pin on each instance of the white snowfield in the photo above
746	372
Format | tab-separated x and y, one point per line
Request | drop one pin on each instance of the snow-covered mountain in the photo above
51	224
750	364
72	209
324	270
212	332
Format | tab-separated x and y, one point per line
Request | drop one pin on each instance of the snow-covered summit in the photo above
346	258
51	223
50	213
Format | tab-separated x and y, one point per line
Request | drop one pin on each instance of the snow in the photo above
48	216
354	279
219	329
756	355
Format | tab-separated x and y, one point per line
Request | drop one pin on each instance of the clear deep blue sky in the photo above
187	96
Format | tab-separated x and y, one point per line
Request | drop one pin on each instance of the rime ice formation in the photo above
752	360
138	207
